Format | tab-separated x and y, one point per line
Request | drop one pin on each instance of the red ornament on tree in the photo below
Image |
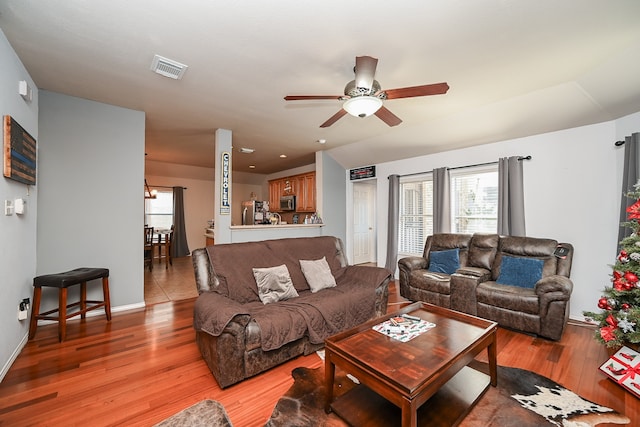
625	306
630	277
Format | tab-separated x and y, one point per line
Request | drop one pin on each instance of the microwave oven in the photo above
288	203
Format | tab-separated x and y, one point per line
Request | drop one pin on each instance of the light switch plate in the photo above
8	207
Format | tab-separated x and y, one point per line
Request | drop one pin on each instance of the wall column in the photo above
222	198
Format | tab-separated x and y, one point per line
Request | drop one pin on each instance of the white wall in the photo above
90	198
332	196
17	232
572	194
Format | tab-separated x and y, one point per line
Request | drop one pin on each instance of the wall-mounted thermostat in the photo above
18	206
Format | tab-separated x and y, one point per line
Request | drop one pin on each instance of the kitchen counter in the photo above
265	226
254	233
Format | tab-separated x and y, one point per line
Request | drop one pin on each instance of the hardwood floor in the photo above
144	366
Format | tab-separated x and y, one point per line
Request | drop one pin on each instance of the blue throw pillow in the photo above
444	261
523	272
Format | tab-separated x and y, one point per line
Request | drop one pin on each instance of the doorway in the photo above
364	232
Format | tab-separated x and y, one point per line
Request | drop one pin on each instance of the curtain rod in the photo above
166	186
467	166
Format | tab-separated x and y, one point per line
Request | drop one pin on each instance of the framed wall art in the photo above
19	152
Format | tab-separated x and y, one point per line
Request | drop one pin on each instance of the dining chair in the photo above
163	240
148	247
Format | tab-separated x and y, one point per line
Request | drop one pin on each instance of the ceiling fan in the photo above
363	96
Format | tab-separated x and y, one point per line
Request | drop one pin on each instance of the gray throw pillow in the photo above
318	274
274	284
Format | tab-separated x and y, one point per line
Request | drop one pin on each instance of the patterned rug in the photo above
203	413
522	399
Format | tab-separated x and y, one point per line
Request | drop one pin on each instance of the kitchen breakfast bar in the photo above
254	233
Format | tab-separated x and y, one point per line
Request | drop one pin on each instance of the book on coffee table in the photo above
403	328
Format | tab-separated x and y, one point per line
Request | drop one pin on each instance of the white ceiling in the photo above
515	68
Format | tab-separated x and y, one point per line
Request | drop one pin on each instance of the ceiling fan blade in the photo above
424	90
387	116
307	97
334	118
365	71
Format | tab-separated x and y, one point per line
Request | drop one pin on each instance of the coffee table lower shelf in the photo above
448	407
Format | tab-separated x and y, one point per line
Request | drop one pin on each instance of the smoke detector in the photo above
168	67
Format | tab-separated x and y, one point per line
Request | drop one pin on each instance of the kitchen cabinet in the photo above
275	191
303	186
306	192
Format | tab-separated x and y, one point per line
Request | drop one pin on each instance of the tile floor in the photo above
174	283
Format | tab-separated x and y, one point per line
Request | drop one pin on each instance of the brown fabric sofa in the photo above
239	336
476	286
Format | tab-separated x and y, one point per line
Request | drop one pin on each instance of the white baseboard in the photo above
23	342
14	356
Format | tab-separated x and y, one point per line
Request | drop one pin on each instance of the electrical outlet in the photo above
22	314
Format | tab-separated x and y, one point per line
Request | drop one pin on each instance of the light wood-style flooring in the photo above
174	283
144	366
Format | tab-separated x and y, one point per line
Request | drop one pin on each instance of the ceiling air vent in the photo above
168	68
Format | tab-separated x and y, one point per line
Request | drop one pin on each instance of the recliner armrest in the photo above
555	283
412	263
482	273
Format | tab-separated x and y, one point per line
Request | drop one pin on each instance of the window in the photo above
158	212
474	206
416	214
474	199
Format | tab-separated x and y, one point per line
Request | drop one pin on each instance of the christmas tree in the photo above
619	320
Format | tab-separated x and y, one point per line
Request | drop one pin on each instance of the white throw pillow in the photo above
274	284
318	274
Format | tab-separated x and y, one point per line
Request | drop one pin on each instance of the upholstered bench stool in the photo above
79	276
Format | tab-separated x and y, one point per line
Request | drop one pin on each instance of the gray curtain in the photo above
629	179
441	201
179	246
392	225
510	197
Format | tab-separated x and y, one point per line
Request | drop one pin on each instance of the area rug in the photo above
522	399
204	413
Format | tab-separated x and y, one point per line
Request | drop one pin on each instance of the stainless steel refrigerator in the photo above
255	212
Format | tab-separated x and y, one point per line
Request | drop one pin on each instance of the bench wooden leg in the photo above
83	300
35	310
62	319
107	299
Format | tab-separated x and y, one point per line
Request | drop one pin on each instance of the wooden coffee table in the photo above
425	381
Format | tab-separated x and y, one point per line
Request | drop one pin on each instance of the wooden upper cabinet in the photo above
303	186
275	191
306	192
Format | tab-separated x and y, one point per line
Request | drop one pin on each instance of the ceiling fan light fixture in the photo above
362	106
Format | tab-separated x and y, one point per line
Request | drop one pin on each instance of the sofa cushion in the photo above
274	284
444	261
517	271
482	250
318	274
513	298
291	251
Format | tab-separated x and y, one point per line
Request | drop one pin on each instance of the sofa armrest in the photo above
561	285
482	274
412	263
206	280
462	288
214	314
378	275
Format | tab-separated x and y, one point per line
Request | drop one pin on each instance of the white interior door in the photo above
364	248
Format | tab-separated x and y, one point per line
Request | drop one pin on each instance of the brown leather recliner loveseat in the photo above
242	331
519	282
